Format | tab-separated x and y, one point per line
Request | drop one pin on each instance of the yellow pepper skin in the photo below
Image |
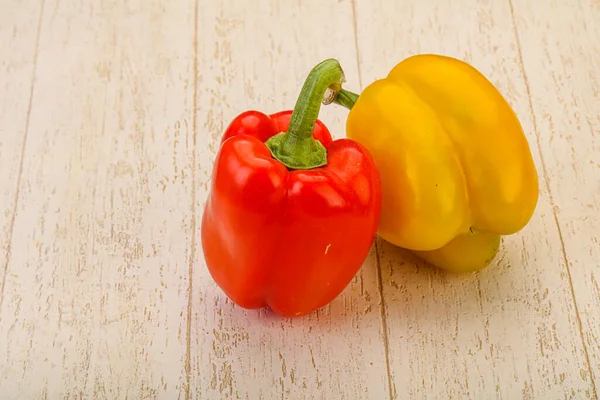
456	168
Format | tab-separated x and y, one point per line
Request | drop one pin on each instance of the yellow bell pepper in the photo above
456	169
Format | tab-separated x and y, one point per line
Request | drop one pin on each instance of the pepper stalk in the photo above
345	98
296	148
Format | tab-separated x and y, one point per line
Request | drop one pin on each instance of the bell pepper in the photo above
291	214
456	168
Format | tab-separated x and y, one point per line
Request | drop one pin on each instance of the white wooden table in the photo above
110	117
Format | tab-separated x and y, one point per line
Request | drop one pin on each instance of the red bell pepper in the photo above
291	214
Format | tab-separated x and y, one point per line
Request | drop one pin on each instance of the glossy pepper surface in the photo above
456	169
291	214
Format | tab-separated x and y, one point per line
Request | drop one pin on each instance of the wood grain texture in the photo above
19	36
251	56
565	43
97	284
512	330
111	112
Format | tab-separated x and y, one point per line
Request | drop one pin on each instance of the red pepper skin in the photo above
262	127
288	240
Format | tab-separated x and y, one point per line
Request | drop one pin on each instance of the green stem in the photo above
345	98
296	148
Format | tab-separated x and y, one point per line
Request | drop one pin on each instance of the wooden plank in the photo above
252	57
96	291
510	331
564	43
19	27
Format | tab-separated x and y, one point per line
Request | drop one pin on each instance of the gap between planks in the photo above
188	333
